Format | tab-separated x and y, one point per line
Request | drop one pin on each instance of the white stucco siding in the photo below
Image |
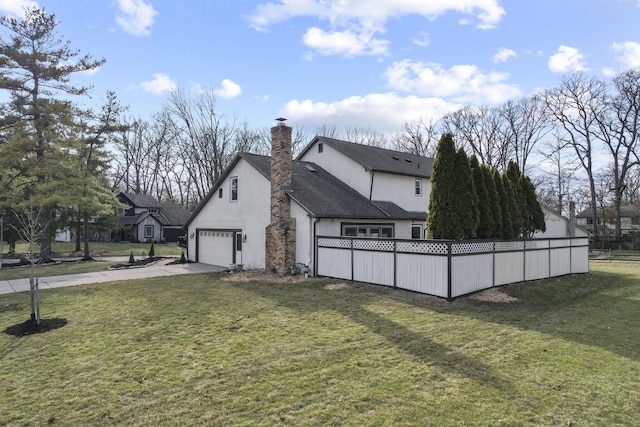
342	167
250	213
557	226
333	226
304	238
401	190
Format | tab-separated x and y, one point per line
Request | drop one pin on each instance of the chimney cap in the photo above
281	120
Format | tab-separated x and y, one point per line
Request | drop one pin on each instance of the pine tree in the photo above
441	202
35	68
493	202
485	219
505	231
466	197
535	218
518	202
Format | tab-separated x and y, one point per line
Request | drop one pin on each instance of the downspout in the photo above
312	242
373	173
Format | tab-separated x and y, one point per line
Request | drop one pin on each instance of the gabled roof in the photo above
139	200
378	159
325	196
626	211
320	193
174	213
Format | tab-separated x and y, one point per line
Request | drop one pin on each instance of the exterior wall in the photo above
342	167
249	214
400	190
157	230
333	226
557	226
304	238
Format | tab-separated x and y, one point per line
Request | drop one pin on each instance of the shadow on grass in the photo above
30	327
600	309
353	304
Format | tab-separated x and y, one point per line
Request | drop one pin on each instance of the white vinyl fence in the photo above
449	269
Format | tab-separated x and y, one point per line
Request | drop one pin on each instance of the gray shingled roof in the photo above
325	196
379	159
174	213
140	200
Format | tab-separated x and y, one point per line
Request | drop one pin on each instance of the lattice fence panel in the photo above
423	247
373	245
509	246
327	242
471	247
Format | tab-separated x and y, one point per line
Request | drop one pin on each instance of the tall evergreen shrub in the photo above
485	218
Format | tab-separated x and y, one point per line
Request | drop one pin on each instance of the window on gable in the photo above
418	187
320	147
148	231
220	193
234	189
153	210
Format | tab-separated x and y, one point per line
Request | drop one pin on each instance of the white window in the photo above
368	230
148	231
153	210
320	147
234	189
418	187
220	193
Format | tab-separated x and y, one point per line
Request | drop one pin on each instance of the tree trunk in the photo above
87	256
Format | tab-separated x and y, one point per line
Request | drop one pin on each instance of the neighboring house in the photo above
629	220
148	220
559	226
265	212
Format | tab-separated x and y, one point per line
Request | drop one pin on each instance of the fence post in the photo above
524	260
449	283
493	266
351	259
395	263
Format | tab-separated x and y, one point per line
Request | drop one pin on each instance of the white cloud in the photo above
503	55
160	83
228	90
353	24
136	17
421	39
385	112
608	72
460	83
629	53
91	71
345	43
16	7
568	59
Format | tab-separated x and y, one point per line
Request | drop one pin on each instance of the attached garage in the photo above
216	247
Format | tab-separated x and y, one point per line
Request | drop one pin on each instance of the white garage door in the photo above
215	247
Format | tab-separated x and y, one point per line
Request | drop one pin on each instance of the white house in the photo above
264	212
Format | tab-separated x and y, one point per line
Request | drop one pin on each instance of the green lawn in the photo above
63	249
10	273
203	350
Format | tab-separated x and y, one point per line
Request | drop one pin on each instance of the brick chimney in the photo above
281	232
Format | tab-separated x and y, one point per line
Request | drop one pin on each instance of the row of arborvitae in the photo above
473	201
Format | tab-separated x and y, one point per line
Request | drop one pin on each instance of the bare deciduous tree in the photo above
420	138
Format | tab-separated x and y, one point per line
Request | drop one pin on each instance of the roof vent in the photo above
396	158
407	160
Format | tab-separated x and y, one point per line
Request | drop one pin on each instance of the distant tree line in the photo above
473	201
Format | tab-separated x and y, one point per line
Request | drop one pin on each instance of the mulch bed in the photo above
137	263
30	327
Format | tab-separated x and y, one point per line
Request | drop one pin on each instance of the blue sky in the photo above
348	63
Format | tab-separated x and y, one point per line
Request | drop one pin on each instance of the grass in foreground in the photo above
12	273
199	350
65	249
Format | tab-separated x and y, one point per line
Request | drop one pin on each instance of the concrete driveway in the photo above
158	269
